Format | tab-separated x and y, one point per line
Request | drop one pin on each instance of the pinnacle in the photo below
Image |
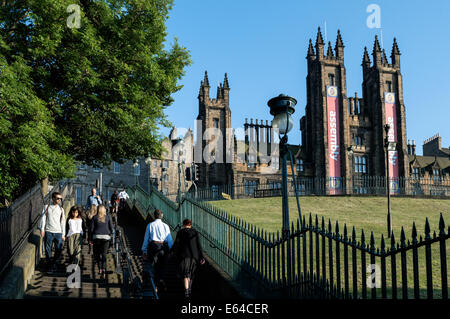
330	51
339	42
206	81
319	39
310	48
226	85
376	45
395	49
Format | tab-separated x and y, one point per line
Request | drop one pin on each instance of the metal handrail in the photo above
17	248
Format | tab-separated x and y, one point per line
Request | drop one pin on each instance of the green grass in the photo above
368	213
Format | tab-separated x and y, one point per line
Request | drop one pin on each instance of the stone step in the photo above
75	293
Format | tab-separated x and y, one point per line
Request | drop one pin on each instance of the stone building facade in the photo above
162	172
362	134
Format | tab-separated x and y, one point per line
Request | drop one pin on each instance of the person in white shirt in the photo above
75	231
156	246
52	226
123	196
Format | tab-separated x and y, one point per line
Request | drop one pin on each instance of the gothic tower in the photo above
383	94
213	114
325	72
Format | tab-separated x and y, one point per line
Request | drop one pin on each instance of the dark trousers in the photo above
50	238
158	257
100	250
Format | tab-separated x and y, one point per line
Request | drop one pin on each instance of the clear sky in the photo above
262	46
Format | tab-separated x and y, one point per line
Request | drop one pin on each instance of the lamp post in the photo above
350	153
135	165
282	107
148	161
389	147
163	176
180	152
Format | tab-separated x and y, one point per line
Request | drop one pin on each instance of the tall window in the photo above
96	169
361	164
331	79
166	191
137	170
154	163
166	178
415	173
250	186
166	164
299	163
436	176
216	123
116	168
389	86
358	140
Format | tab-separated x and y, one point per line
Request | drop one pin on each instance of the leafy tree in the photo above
96	93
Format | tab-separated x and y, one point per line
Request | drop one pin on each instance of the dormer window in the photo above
436	175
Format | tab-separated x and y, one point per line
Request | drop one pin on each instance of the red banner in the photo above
391	119
334	151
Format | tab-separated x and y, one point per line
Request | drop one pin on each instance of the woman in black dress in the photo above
188	252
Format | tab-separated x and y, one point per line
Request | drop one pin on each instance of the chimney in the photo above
413	146
409	147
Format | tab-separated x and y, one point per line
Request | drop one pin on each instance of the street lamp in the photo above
282	107
135	165
180	152
148	161
350	153
389	146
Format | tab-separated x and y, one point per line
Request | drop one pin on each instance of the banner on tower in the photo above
391	119
334	152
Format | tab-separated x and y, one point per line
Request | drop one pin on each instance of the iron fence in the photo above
18	220
356	185
323	261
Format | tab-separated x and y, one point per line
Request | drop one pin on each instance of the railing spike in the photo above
317	222
392	241
402	238
310	219
354	235
372	241
323	223
337	228
363	239
329	225
427	229
345	233
414	233
441	226
434	234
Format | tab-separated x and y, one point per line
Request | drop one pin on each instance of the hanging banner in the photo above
391	119
334	152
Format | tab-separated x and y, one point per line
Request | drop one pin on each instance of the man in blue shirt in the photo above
156	245
93	199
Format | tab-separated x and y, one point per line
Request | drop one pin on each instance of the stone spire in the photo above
384	59
225	82
310	50
319	45
376	53
395	54
206	81
329	51
366	58
339	47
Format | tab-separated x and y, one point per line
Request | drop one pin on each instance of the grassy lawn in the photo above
368	213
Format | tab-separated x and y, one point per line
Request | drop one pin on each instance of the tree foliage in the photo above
92	94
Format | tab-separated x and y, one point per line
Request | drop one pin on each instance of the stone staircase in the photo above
44	285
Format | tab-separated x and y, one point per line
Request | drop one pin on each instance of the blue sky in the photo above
262	46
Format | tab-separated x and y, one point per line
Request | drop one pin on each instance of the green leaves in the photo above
94	94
